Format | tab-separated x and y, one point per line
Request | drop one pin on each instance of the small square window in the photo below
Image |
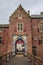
35	37
19	16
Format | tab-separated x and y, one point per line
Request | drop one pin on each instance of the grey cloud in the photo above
8	6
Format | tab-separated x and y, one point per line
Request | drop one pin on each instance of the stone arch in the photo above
13	47
20	46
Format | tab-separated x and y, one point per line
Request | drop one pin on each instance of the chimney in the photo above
41	13
28	12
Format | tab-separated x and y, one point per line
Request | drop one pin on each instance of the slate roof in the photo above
4	25
36	16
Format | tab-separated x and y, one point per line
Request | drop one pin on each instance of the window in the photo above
34	37
0	29
0	60
41	27
19	16
34	50
0	39
41	40
20	27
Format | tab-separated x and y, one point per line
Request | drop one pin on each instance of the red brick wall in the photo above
36	32
30	29
26	30
5	39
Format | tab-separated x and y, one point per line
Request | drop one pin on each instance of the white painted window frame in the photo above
40	27
41	39
22	26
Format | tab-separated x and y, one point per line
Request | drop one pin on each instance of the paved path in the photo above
18	60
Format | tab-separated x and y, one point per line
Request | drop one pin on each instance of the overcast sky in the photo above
7	7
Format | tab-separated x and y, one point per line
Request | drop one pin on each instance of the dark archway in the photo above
19	46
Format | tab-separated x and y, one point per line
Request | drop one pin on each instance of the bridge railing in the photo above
35	59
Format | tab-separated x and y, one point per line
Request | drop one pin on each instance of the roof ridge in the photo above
4	25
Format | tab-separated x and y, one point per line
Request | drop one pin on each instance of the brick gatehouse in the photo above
23	34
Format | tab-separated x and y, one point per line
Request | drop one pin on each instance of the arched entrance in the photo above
19	46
